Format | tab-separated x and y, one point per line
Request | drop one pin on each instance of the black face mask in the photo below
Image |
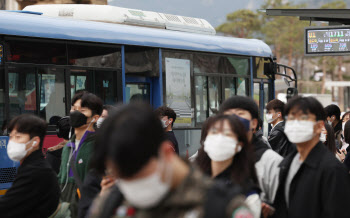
77	119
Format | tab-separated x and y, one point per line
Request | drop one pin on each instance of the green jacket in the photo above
82	162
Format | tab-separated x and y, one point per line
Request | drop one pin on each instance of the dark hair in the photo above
166	111
260	124
277	106
243	167
92	102
78	95
347	132
306	105
330	142
137	136
242	102
108	108
332	110
29	124
347	113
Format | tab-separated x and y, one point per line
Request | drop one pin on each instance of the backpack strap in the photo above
218	198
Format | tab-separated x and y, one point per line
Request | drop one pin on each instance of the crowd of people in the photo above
124	161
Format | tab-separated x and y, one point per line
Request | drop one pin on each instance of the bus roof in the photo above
19	24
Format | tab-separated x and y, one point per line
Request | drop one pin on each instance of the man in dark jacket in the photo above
333	119
168	117
277	139
35	191
313	183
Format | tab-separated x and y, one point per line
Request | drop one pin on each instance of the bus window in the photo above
229	86
242	87
87	55
257	93
78	81
214	94
3	122
201	98
141	61
105	84
22	90
135	92
52	94
34	51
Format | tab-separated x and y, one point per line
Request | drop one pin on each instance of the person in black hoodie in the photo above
35	191
277	138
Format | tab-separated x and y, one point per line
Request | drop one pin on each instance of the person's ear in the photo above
171	120
95	118
253	123
319	126
36	142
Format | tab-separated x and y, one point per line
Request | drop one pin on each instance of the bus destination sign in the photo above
330	41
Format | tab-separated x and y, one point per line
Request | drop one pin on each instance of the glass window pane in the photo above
105	86
242	86
94	56
229	86
78	81
201	98
214	94
257	93
52	94
3	121
38	52
22	91
141	61
234	65
135	92
205	64
266	100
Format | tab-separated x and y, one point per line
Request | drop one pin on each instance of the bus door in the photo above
262	95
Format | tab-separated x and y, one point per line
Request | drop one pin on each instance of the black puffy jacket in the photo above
279	141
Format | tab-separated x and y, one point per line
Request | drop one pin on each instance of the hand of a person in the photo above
341	156
106	183
266	210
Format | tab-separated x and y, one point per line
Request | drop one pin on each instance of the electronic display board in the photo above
327	41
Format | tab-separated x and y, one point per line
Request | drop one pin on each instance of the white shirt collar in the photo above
273	126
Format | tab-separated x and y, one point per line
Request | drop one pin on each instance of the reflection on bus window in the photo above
257	94
52	94
214	98
201	98
229	87
22	91
105	86
136	92
141	61
2	103
242	87
77	81
266	100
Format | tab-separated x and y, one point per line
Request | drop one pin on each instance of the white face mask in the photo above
146	192
323	137
299	131
17	151
269	118
99	122
164	123
329	121
220	147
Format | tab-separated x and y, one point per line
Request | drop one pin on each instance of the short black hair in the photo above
78	95
137	136
241	102
92	102
347	132
306	105
29	124
332	110
277	106
166	111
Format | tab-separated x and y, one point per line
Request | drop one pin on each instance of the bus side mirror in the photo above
291	92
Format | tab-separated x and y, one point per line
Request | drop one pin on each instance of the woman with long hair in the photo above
328	139
227	155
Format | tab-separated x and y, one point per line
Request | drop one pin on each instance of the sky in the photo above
214	11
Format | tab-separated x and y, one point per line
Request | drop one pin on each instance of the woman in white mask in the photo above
327	138
227	155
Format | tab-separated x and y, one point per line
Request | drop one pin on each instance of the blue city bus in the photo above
45	60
